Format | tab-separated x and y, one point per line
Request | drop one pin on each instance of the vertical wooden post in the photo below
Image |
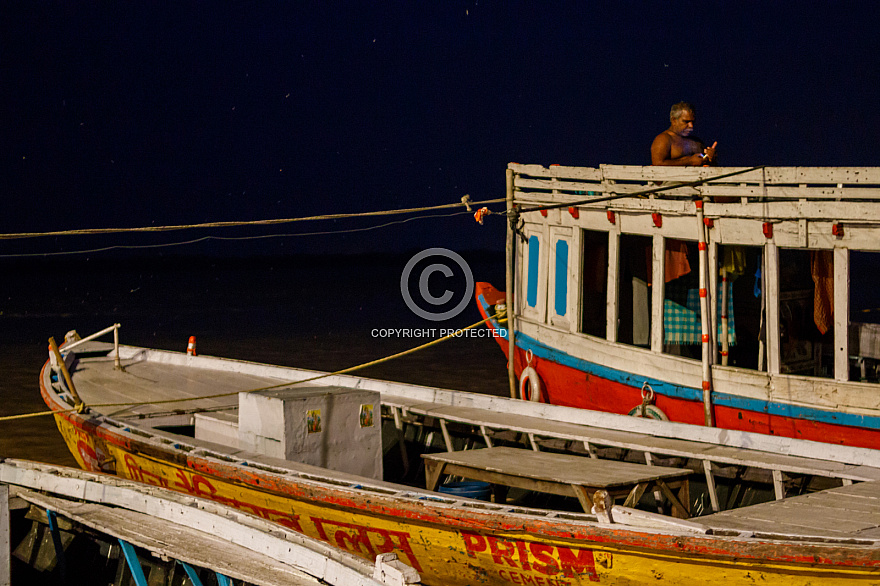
65	373
725	324
714	340
705	320
771	306
509	298
841	314
613	280
5	538
117	361
658	291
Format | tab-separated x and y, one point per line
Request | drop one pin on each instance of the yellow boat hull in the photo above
467	547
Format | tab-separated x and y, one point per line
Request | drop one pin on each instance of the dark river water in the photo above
323	313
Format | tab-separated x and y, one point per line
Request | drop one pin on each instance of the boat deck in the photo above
848	512
148	383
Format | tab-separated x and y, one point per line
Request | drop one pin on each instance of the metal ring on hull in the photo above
646	409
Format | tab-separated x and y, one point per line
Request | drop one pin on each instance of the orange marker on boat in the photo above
191	347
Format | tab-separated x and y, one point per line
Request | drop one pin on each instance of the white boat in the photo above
741	298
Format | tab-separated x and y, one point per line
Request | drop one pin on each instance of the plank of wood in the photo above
841	314
181	543
147	381
846	511
558	468
635	441
5	536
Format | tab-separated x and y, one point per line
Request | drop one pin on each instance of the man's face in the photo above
684	124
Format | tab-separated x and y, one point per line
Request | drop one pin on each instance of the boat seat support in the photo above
5	539
191	573
59	546
137	572
778	485
710	484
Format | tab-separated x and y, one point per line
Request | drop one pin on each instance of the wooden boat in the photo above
109	408
730	297
82	527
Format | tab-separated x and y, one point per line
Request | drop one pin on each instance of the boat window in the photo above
864	316
682	329
806	312
594	273
634	295
741	267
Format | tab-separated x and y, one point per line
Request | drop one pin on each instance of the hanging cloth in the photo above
822	269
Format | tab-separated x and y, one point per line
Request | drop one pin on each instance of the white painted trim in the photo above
841	314
5	538
613	292
539	311
714	298
575	279
558	234
771	305
658	291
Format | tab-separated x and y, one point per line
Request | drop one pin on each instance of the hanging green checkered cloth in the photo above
681	323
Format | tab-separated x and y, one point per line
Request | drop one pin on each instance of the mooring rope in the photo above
280	385
227	238
270	222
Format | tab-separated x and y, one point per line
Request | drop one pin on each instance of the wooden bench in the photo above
561	474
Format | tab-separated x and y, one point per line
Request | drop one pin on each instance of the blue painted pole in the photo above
191	572
59	547
134	565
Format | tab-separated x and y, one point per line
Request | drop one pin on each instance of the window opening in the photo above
594	276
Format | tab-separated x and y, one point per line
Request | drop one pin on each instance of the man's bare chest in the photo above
682	147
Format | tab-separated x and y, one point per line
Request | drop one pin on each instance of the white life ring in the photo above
530	387
651	412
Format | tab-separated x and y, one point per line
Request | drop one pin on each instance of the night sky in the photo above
138	114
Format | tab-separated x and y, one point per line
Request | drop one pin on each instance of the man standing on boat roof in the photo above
676	147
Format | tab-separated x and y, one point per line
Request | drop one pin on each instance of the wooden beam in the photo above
5	538
508	293
591	449
446	438
710	483
841	314
533	442
575	279
485	433
613	291
771	305
658	292
714	298
778	487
